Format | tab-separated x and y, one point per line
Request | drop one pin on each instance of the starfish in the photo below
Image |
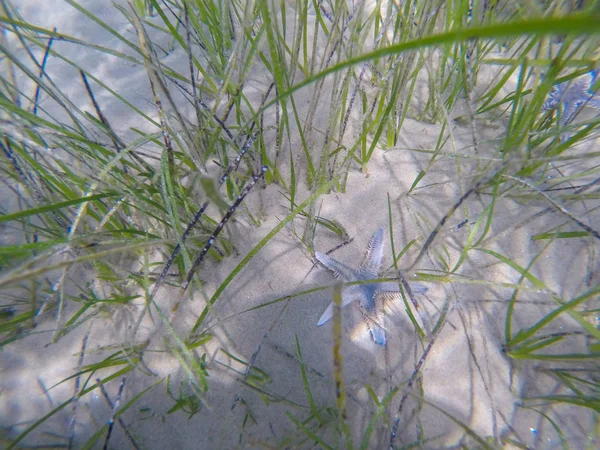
571	96
370	296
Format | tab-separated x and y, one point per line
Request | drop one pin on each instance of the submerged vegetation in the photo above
114	222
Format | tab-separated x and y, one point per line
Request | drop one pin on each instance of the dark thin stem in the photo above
343	31
325	12
113	407
204	106
231	104
292	357
43	66
219	228
412	379
252	359
111	421
7	150
233	166
557	206
454	207
409	292
352	99
117	142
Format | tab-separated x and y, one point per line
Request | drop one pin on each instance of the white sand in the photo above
465	374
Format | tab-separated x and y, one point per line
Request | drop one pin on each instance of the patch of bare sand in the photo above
465	373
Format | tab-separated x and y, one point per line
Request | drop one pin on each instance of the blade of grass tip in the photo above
494	90
411	316
586	401
560	235
488	223
311	171
311	401
570	380
323	189
418	178
59	290
527	349
284	298
405	249
405	287
117	142
252	361
168	191
469	87
188	36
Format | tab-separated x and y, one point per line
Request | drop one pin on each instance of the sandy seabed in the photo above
465	373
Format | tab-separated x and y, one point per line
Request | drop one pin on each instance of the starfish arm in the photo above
328	314
390	286
594	102
375	320
388	296
569	112
553	98
418	288
370	296
374	256
378	335
339	270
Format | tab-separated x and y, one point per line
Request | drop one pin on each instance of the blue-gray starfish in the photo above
370	296
570	96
